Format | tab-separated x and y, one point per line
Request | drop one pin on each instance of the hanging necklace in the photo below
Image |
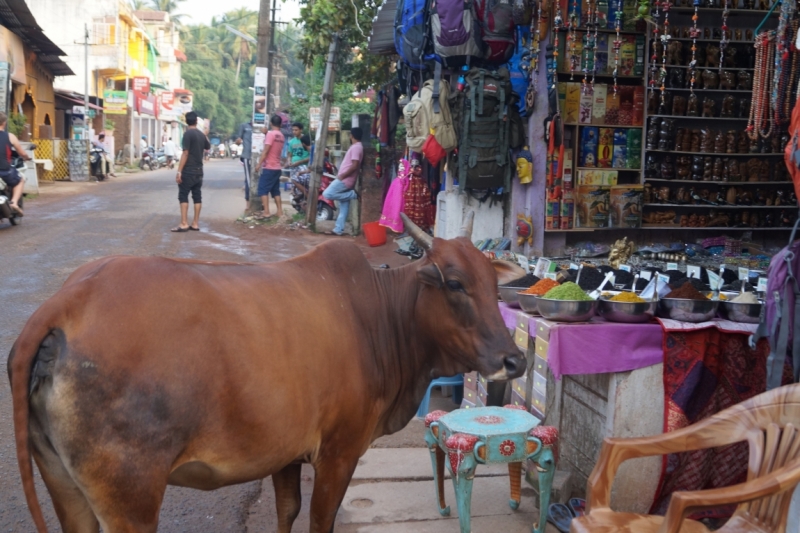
617	44
536	31
725	39
595	41
760	109
693	33
665	37
654	71
572	36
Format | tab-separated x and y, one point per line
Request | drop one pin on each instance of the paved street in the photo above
70	224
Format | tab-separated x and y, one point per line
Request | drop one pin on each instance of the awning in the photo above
381	38
180	56
15	15
158	86
77	102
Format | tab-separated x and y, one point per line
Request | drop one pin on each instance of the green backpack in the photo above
481	117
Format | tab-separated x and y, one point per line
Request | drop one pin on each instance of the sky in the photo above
201	11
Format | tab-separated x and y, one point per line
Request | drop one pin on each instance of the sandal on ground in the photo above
334	233
263	217
560	516
193	229
577	506
179	229
15	208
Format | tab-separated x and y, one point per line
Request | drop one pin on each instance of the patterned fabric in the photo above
417	203
705	372
517	407
433	416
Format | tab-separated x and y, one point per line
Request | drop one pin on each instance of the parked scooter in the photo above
97	163
326	209
161	158
5	192
148	159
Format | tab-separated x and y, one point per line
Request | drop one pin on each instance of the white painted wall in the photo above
451	209
63	22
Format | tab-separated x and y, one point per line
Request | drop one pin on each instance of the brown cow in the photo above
146	372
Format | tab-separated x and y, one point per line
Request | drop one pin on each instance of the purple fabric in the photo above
393	205
451	15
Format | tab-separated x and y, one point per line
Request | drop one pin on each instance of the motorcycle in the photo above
326	209
5	192
148	158
161	158
97	163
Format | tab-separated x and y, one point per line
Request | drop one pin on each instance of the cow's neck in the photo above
406	357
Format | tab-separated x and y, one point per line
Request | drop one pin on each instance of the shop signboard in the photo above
334	122
166	106
141	84
78	120
78	159
260	97
115	102
146	104
182	103
4	86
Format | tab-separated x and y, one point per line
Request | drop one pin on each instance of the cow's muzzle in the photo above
513	367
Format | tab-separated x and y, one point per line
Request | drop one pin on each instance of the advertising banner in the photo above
146	105
334	122
141	84
260	97
115	102
166	109
182	103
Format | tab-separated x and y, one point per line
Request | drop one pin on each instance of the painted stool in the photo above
485	435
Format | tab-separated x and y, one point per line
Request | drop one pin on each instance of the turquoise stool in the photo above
454	381
484	435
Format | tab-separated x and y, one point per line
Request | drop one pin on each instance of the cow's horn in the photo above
466	229
419	236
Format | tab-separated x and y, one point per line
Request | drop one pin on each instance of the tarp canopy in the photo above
381	39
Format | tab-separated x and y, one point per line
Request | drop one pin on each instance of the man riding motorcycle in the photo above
8	173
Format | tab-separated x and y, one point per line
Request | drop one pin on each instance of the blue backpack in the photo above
519	68
412	32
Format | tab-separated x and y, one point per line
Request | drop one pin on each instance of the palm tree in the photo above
169	6
139	5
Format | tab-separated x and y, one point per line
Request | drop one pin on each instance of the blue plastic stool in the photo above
455	381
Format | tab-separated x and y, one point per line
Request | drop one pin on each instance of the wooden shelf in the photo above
726	91
610	168
721	183
704	40
710	206
743	119
598	75
715	67
607	125
735	11
573	230
715	228
710	154
603	30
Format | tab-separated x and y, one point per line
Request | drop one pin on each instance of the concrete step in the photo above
512	523
407	464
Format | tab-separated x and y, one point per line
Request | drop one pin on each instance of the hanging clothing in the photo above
393	205
417	203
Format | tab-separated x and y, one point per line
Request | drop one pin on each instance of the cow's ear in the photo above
430	275
507	271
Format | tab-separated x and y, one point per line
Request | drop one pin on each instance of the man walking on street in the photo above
245	133
190	173
269	182
169	151
341	188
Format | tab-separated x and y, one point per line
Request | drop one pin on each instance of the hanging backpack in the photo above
519	69
411	37
428	114
780	318
792	150
481	113
496	19
455	32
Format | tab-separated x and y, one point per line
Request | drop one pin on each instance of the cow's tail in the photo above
20	365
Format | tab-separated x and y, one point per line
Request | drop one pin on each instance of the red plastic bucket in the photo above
375	234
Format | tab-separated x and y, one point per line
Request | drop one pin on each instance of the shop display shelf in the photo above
711	206
598	75
605	30
736	11
714	228
572	230
689	39
610	168
716	67
711	154
685	117
732	91
721	183
628	126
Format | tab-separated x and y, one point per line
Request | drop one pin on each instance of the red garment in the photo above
417	203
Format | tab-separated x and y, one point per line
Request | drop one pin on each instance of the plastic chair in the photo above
454	381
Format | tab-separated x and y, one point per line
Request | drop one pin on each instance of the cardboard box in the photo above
567	213
627	55
471	395
592	206
562	96
599	104
483	396
539	382
605	178
638	106
638	66
517	400
568	179
541	347
539	365
521	338
602	53
543	327
589	142
538	402
629	14
585	106
625	104
572	104
612	107
466	404
626	206
634	148
605	150
471	381
620	155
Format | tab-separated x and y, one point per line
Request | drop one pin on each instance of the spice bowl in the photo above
687	310
510	295
627	312
741	312
529	303
567	310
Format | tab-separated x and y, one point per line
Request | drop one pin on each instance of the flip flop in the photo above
179	230
334	233
194	229
263	217
560	516
577	506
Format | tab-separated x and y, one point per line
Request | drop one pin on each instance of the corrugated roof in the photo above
15	15
381	39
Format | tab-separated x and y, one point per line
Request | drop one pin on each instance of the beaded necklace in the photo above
596	24
694	33
760	110
665	37
572	36
617	44
725	39
781	55
654	71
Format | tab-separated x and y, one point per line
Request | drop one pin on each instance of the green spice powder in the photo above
567	291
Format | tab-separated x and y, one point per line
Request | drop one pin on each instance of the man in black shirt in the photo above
190	173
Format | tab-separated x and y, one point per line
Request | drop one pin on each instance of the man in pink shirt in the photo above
269	182
341	189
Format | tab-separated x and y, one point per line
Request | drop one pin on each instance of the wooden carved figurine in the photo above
524	229
708	107
744	81
692	106
730	142
710	79
727	106
679	106
727	80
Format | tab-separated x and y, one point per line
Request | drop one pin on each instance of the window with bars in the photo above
105	33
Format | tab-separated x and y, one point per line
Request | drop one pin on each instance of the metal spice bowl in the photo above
627	312
510	295
741	312
687	310
529	303
567	310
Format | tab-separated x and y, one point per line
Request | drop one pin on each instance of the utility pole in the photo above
262	60
322	134
271	56
86	83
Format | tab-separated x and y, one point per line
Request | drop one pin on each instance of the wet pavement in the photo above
70	224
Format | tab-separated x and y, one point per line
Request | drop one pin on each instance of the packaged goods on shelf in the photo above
567	181
592	206
605	148
585	106
572	99
620	153
599	104
604	178
588	151
626	206
634	148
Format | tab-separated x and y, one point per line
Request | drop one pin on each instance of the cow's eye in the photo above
454	285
